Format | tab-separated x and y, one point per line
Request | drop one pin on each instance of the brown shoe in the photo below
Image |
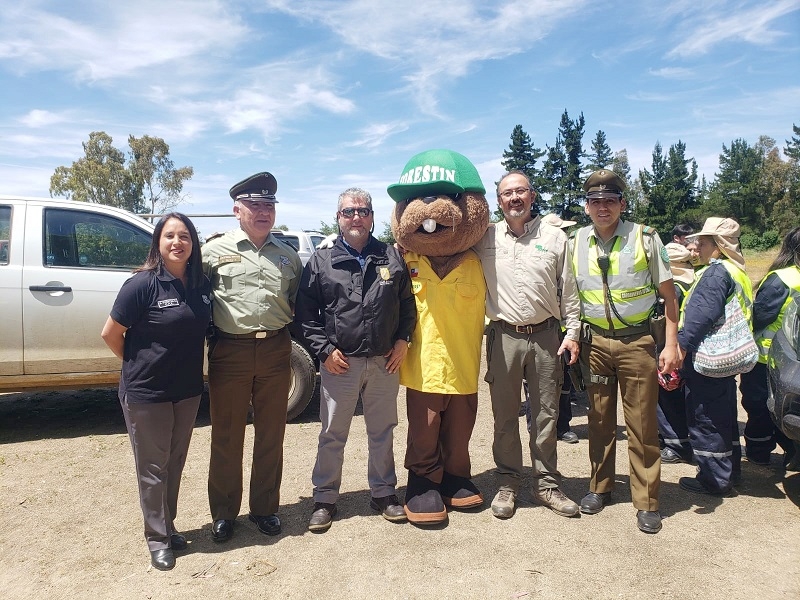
321	517
557	501
389	507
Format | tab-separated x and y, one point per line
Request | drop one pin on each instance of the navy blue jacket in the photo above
706	306
771	295
360	312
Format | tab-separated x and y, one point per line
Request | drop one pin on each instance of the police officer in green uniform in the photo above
620	268
254	279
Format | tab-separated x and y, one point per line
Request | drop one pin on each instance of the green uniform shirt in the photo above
254	289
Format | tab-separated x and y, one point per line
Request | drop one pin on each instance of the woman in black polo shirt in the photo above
157	327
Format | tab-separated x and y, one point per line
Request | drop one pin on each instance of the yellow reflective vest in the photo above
743	290
445	352
629	281
790	276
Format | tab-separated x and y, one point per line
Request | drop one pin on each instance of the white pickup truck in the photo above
61	266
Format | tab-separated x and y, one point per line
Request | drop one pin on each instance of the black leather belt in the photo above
250	335
621	332
529	329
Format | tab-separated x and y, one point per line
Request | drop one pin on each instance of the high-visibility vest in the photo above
629	281
743	290
790	276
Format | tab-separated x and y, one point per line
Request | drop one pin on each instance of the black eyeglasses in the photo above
352	212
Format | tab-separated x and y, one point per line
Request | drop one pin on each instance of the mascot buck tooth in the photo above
441	213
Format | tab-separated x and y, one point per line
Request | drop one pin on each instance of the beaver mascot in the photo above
441	212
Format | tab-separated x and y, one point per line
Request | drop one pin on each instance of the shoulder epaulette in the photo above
215	235
646	229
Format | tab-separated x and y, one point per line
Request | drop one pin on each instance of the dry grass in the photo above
758	264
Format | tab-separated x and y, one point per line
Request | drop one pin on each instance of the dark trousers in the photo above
672	429
713	429
160	434
439	428
760	433
241	371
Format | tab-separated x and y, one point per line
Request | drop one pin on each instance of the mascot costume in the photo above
441	213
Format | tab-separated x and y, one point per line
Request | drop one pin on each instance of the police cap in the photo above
604	183
261	186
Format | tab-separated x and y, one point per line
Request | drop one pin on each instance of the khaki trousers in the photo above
241	371
632	361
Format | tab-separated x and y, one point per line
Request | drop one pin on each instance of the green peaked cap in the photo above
436	172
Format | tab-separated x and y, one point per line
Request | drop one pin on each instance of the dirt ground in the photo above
71	525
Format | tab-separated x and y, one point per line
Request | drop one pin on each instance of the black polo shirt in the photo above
164	343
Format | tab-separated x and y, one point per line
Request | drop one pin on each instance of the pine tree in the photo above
521	156
601	155
563	172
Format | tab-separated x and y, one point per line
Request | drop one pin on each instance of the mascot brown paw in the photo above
460	492
424	505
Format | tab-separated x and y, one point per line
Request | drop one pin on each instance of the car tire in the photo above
304	380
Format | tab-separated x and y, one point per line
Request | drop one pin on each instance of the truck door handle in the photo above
50	288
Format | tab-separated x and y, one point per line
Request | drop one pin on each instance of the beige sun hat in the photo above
556	221
725	233
680	262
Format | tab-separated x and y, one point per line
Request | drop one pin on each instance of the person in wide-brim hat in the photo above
725	233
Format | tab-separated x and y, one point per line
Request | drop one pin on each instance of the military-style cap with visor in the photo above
604	184
436	172
259	187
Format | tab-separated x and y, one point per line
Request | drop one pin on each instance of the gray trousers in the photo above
510	358
378	389
160	434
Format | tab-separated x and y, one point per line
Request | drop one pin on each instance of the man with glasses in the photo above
357	313
621	268
530	293
254	278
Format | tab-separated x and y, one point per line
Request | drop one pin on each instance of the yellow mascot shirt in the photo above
445	352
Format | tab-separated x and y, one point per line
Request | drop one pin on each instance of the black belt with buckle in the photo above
250	335
529	329
621	332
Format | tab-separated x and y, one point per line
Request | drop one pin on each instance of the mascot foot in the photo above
424	505
460	492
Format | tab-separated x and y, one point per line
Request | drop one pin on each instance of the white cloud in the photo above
756	25
376	134
673	73
37	118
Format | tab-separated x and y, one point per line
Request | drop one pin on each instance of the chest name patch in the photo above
228	258
167	303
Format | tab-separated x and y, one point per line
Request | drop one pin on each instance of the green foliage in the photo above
147	182
154	172
562	171
386	236
765	241
601	155
669	190
521	155
327	229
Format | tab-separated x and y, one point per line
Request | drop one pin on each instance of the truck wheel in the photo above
304	379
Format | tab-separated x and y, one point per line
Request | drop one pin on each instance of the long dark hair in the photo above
789	254
154	261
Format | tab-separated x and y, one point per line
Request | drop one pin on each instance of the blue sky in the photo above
331	94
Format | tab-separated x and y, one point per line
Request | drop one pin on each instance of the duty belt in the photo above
250	335
529	329
620	332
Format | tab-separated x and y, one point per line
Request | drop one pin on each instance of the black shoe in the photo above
761	461
222	530
692	484
649	521
177	542
569	437
163	559
668	455
593	503
389	507
322	517
270	524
